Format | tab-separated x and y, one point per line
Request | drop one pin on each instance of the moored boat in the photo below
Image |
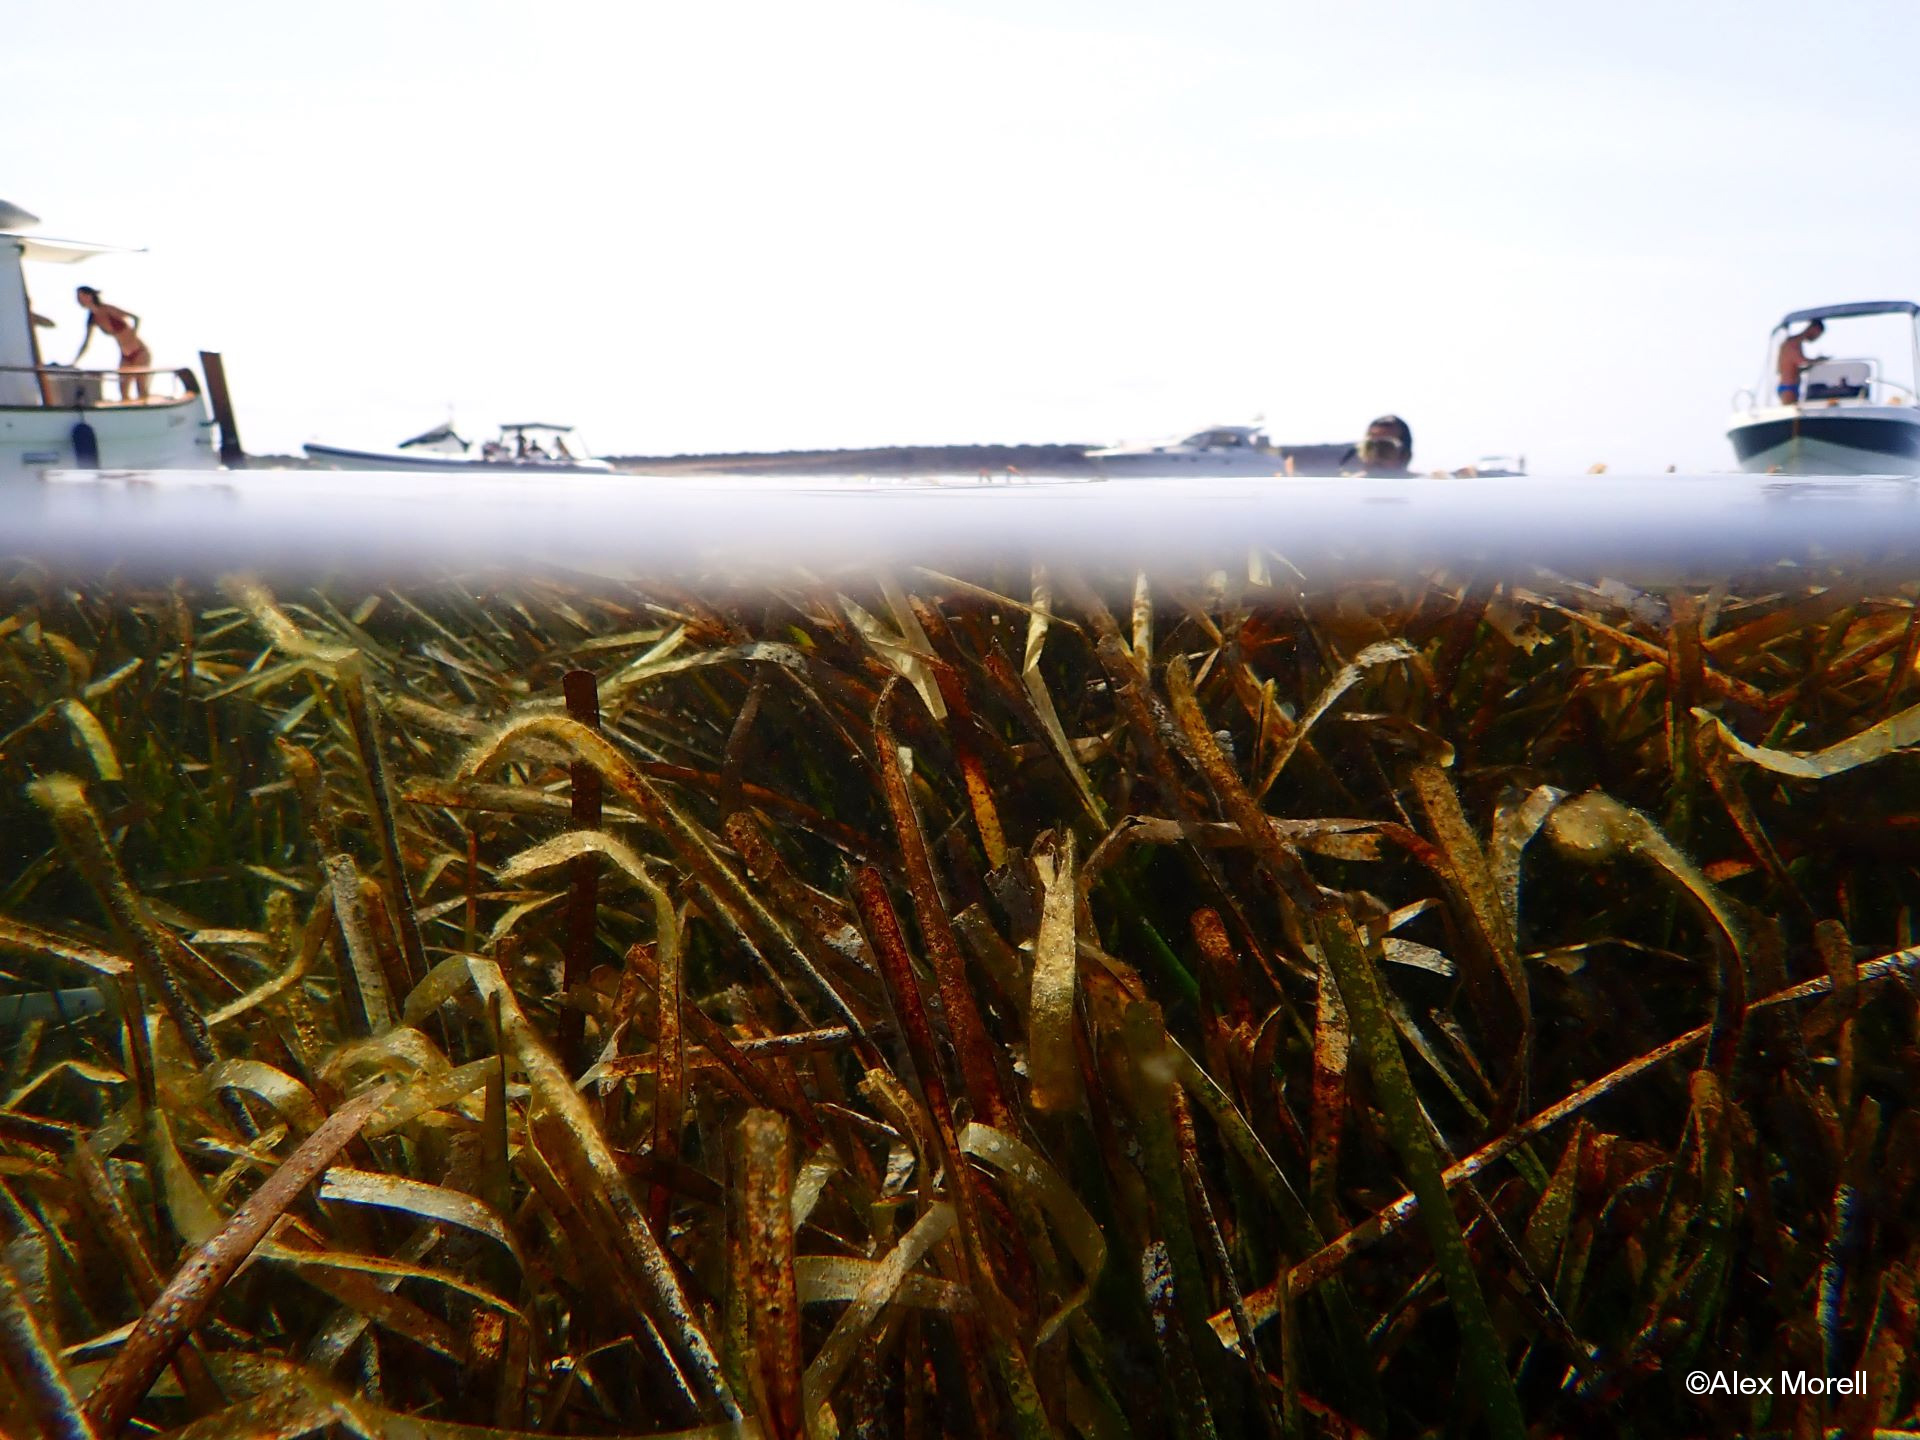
1385	450
1221	450
528	448
1834	416
64	417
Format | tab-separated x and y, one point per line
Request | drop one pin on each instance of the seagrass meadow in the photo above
1038	1003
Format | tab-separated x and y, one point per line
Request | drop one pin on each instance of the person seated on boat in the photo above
124	327
1794	359
534	451
560	450
1386	450
493	450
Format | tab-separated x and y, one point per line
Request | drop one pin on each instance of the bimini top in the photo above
48	251
1858	307
434	437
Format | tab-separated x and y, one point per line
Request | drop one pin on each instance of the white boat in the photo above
1222	450
1501	467
60	417
1847	417
530	448
1247	450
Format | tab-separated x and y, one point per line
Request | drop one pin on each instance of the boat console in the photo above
1837	380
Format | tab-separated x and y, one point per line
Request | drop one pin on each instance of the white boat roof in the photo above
50	251
1857	307
439	432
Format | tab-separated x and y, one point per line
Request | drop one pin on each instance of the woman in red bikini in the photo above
135	358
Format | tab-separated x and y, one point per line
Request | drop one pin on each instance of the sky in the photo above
1542	229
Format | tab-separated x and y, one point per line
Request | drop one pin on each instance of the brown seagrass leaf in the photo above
589	1166
824	1278
19	938
1383	652
92	737
882	1287
1053	1064
1036	1178
34	1367
290	1099
773	1290
1876	742
1595	828
434	1203
277	626
197	1285
1516	820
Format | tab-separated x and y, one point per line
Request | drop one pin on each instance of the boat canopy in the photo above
436	436
536	425
48	251
1858	307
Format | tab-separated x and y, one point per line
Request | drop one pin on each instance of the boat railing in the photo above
63	387
1888	392
1874	391
1833	383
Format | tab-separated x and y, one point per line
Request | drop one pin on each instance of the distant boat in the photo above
1849	418
1247	450
58	417
1503	467
530	448
1222	450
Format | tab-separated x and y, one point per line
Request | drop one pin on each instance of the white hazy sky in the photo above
1538	227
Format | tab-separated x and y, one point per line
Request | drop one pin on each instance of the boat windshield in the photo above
1219	440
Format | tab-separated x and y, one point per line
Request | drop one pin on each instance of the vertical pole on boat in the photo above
214	368
1913	392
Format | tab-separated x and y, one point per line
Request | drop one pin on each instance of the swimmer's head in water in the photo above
1389	444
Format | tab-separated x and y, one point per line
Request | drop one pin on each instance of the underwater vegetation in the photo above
1038	1004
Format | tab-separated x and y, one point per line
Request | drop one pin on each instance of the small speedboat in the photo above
530	448
1495	467
1846	416
57	417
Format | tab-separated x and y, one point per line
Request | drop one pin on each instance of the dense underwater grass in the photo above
1022	1004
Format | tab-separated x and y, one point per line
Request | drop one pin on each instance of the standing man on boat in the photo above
1794	359
124	327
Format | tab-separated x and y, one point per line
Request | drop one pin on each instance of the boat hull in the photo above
335	457
1166	464
157	435
1882	440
